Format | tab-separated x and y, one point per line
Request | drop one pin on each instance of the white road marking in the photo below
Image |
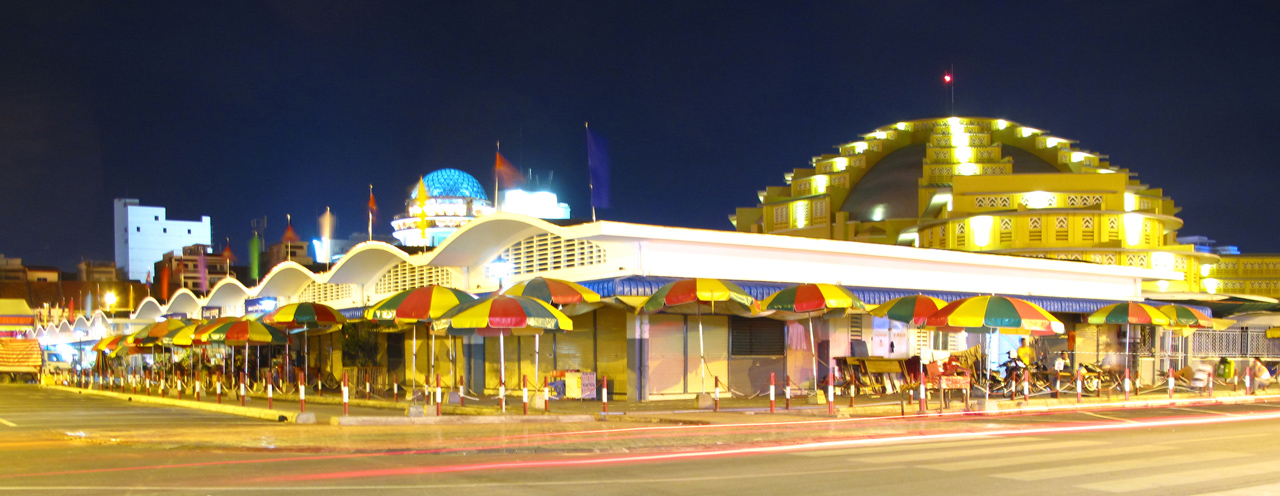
1045	458
1263	490
8	423
1179	478
918	445
974	452
1116	466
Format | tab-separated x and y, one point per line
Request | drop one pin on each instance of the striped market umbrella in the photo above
1181	316
109	344
695	292
810	298
909	309
245	332
912	310
994	313
557	292
304	316
1129	312
501	315
201	333
417	306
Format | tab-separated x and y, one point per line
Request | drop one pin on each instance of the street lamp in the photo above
499	269
109	299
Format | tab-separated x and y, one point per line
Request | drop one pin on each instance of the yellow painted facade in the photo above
1252	274
1053	200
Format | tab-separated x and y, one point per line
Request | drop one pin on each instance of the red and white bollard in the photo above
195	383
243	391
1248	386
180	388
831	391
1026	386
604	394
148	374
439	397
395	388
302	393
1126	383
1210	383
717	394
270	395
367	389
524	390
462	390
219	387
546	396
345	408
502	395
133	383
1170	382
1079	386
772	392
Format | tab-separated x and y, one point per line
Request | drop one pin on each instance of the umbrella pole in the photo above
433	358
306	362
1128	331
537	355
502	380
702	354
413	383
246	358
813	348
986	371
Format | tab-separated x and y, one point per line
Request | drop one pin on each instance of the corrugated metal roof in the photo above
645	286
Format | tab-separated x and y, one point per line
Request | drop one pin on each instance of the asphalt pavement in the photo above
66	444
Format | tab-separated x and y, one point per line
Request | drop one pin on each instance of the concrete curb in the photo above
385	405
463	419
258	413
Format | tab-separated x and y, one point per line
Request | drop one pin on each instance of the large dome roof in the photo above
451	183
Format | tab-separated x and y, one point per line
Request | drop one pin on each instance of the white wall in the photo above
148	235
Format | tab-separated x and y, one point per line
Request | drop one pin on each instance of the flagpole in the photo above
591	184
498	152
370	215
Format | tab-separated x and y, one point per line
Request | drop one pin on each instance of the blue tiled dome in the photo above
451	182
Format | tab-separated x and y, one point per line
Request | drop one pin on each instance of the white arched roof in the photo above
148	309
481	240
183	301
364	263
285	279
227	292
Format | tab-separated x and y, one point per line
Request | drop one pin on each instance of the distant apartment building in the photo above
144	235
97	271
194	267
11	269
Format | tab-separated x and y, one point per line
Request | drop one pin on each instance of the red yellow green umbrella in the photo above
1129	312
500	314
994	313
554	291
696	292
244	332
1181	316
201	333
912	309
108	344
700	290
809	298
304	315
419	305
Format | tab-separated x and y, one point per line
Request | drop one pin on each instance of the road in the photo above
68	444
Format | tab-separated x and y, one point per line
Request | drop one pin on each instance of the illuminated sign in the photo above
259	305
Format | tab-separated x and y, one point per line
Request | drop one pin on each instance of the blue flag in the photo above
598	164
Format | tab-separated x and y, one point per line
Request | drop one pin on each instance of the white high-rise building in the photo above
143	235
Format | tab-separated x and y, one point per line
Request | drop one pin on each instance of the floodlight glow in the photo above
877	213
499	268
1162	285
1026	132
944	197
1204	270
880	135
820	184
1001	124
964	154
967	169
1132	229
1162	261
1130	202
1052	142
959	139
840	164
800	212
109	299
1079	156
1106	171
859	147
953	121
1039	199
981	228
1211	285
902	126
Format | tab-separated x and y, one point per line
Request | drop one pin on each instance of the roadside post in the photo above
439	397
345	395
242	389
772	393
302	394
604	394
524	390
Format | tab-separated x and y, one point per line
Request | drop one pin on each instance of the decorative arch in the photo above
364	263
227	292
285	280
184	301
148	310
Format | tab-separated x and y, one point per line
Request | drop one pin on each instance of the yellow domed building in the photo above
982	185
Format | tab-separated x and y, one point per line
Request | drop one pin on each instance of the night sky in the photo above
239	110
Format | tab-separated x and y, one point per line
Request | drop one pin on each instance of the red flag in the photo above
289	235
373	205
226	253
508	176
164	283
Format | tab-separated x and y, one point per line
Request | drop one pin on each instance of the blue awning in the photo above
645	286
354	313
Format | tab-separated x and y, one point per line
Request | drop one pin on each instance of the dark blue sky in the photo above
247	109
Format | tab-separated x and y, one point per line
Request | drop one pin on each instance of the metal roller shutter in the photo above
715	331
611	349
666	354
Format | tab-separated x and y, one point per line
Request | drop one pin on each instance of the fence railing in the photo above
1233	343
